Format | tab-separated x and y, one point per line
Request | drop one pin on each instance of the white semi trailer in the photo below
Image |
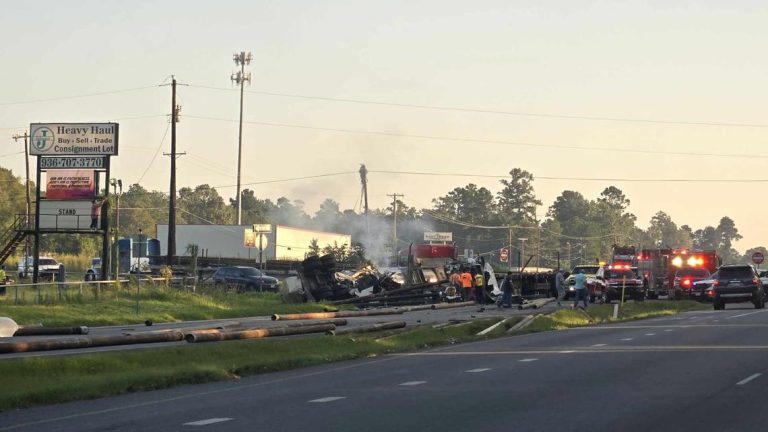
228	241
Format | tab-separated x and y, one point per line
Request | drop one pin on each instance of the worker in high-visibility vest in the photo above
466	284
479	288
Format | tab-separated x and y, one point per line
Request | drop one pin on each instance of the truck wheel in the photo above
719	305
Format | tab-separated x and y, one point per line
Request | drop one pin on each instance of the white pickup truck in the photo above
48	267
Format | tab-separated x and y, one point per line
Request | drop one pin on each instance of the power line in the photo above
160	146
486	141
53	99
486	111
638	180
291	179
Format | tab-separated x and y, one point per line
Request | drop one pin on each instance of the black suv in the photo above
734	284
243	279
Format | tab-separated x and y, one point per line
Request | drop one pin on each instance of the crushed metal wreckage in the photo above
369	286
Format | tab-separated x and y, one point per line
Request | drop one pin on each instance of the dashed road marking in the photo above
744	314
568	352
412	383
599	345
627	339
748	379
669	330
327	399
527	360
208	421
650	334
478	370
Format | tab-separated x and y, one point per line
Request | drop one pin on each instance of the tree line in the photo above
582	229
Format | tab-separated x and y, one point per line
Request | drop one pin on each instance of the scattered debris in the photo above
368	328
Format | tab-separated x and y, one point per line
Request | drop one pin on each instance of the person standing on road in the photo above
95	213
466	284
480	288
581	289
456	282
559	286
506	289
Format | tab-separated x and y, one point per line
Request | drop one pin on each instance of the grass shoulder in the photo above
602	314
159	304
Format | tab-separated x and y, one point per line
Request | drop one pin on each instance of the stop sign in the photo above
758	257
504	254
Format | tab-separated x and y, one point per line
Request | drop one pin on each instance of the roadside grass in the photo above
46	380
600	314
159	304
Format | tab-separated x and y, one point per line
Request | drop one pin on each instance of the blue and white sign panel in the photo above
73	139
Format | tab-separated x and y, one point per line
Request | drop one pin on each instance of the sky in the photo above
540	85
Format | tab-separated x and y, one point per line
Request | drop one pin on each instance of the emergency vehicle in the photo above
659	267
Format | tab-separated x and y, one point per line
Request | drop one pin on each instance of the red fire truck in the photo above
659	266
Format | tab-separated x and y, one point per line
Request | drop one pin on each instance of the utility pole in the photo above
394	219
171	252
16	138
241	59
509	255
569	254
364	181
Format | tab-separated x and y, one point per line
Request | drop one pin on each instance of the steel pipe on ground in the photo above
452	305
367	328
339	314
89	342
50	331
209	336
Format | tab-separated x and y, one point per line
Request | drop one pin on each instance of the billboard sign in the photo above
438	236
262	228
70	185
89	162
249	239
68	215
73	139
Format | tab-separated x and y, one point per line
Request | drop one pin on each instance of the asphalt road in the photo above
702	371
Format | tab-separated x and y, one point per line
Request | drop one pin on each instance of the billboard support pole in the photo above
36	253
104	216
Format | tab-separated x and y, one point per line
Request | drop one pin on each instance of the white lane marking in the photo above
568	352
669	330
627	339
477	370
744	314
650	334
748	379
412	383
327	399
714	321
208	421
527	360
599	345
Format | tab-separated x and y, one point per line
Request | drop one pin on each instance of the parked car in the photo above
94	271
684	280
623	279
737	283
763	275
48	267
243	279
595	281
